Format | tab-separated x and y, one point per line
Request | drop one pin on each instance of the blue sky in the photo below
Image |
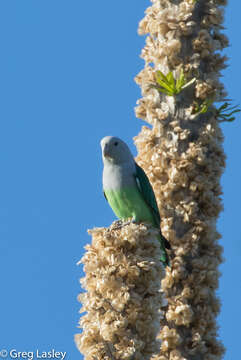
66	80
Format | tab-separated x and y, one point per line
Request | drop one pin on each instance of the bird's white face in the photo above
114	150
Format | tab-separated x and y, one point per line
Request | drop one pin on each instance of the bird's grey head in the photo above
115	151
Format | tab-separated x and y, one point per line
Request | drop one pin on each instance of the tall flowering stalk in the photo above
123	298
183	157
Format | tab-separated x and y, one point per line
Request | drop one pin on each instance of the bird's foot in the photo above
120	224
117	224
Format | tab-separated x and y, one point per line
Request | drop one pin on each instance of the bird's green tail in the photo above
164	245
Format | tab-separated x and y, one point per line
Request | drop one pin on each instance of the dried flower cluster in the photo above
183	156
123	298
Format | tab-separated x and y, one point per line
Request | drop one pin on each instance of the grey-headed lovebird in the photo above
127	188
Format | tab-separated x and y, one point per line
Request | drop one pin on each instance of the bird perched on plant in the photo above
127	188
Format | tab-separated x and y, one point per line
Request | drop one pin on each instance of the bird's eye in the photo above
116	143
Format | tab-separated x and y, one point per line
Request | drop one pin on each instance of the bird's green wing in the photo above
147	192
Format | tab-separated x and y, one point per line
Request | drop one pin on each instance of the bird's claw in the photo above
118	225
121	224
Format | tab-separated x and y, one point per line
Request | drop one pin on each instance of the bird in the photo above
127	188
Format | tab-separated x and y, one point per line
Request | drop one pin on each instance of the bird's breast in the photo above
116	177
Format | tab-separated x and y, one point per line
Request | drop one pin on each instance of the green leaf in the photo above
161	89
168	85
171	80
225	112
161	76
206	105
180	81
203	107
233	112
224	106
163	82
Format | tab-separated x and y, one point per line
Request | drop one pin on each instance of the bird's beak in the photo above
105	151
